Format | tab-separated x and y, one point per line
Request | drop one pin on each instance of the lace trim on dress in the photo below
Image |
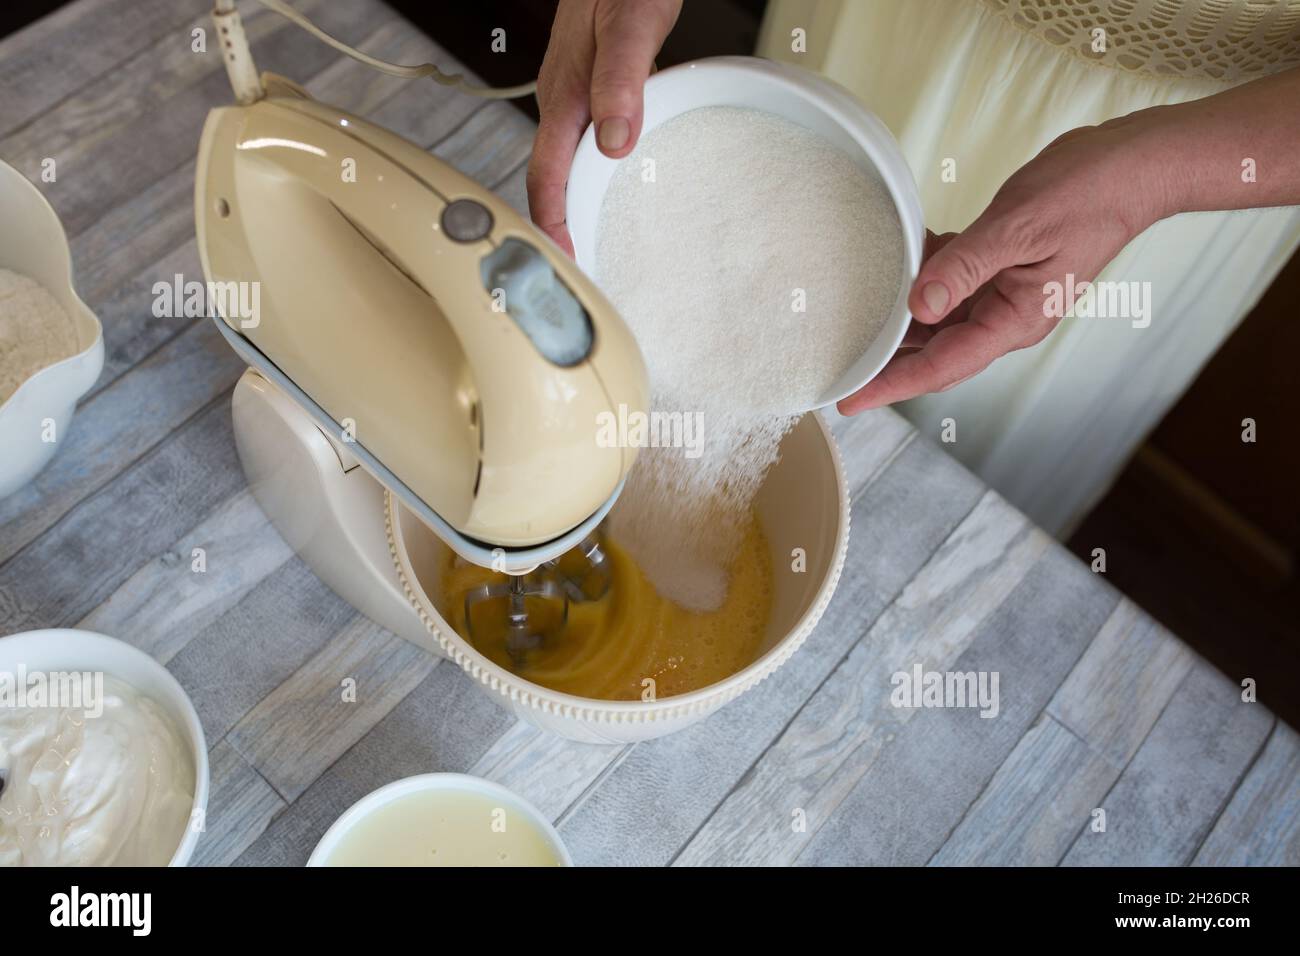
1228	40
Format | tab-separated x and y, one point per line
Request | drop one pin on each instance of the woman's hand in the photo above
980	293
596	64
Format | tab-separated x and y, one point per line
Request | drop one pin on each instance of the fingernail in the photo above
935	295
612	133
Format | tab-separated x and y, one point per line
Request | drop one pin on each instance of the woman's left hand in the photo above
981	293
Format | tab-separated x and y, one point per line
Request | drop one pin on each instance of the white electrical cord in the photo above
455	80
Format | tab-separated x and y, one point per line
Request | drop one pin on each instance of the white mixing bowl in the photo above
797	95
65	649
804	503
33	243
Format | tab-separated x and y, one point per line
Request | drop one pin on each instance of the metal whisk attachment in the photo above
533	607
529	607
584	572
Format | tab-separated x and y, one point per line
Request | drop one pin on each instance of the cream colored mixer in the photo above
413	333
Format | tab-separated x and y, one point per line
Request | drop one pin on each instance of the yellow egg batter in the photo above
609	647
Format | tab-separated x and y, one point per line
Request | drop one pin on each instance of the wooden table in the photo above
1099	707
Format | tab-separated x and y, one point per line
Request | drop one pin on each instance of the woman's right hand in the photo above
596	64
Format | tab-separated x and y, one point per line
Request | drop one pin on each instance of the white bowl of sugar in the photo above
51	344
827	261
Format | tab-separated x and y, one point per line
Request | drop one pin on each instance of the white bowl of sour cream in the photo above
104	758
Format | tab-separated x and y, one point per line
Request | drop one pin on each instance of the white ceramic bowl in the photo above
65	649
32	242
434	782
804	503
801	97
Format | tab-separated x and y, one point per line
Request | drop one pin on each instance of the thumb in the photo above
626	45
957	270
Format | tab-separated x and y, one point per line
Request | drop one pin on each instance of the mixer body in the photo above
457	354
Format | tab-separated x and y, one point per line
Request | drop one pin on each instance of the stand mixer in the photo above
415	336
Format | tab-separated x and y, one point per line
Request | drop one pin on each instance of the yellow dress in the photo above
989	83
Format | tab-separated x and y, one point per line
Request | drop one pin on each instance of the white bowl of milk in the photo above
799	97
102	753
39	392
441	819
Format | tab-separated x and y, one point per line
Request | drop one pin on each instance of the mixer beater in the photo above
534	607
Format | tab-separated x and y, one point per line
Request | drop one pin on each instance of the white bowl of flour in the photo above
51	344
775	198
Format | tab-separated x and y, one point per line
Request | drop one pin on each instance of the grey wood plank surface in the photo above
167	601
1099	707
917	791
1062	769
514	189
240	806
1168	797
1261	824
549	771
63	575
1031	810
445	725
295	732
74	46
245	654
1121	685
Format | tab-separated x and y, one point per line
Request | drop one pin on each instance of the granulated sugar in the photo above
755	262
35	331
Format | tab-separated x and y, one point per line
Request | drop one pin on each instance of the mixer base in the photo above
325	506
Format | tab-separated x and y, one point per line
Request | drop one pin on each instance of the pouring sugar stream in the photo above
755	262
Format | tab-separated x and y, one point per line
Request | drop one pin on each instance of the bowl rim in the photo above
429	783
95	350
187	718
872	136
537	697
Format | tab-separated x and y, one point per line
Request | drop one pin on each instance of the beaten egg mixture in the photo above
610	647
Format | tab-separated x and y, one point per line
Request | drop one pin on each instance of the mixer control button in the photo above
466	220
543	307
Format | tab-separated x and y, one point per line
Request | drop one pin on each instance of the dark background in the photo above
15	16
1201	530
705	28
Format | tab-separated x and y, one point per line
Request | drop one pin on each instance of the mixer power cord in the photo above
240	67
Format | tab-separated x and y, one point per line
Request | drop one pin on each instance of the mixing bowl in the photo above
803	504
66	650
797	95
33	243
